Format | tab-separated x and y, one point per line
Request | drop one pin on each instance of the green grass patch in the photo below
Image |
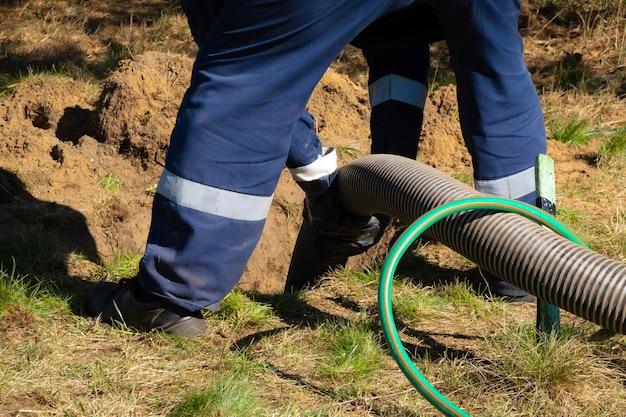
20	293
441	77
295	411
232	395
9	82
367	275
572	132
13	291
612	152
460	295
241	363
151	190
123	265
241	311
604	234
419	304
110	182
347	153
466	178
289	304
108	61
291	210
354	350
568	74
524	363
568	215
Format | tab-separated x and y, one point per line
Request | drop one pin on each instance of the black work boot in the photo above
116	302
509	292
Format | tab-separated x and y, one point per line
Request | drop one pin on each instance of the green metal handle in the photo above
423	386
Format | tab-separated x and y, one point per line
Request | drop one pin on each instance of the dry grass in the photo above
612	152
330	364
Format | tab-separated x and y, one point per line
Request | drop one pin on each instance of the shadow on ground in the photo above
38	238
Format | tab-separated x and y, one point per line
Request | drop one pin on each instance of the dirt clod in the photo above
39	115
57	154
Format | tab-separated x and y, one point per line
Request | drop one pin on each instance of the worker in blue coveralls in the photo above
243	118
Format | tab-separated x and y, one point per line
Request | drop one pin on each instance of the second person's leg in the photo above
500	113
397	90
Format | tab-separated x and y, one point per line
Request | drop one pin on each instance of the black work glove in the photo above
339	233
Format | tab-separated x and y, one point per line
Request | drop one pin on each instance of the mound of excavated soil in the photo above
59	146
139	101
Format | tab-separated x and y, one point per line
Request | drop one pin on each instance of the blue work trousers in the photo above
244	111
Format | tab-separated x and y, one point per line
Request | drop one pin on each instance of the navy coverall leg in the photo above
396	48
500	113
501	118
397	92
253	75
306	160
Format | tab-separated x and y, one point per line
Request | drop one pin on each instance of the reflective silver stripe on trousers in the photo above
398	88
514	186
323	166
211	200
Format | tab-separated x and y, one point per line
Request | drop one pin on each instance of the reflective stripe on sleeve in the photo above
514	186
398	88
211	200
323	166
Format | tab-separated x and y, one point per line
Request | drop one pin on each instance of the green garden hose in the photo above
423	386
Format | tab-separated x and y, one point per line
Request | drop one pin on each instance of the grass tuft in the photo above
110	182
461	295
612	152
151	190
241	311
232	395
347	152
290	304
12	291
354	350
241	363
466	178
123	265
572	131
18	293
419	304
525	364
366	275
